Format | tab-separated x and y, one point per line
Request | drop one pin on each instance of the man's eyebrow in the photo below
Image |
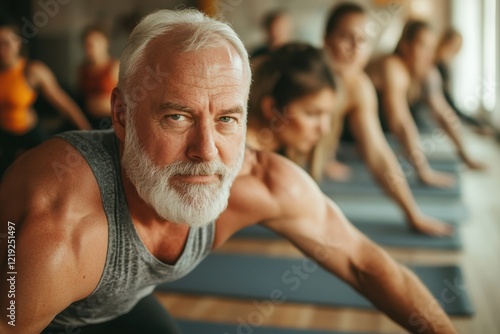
234	110
174	106
178	107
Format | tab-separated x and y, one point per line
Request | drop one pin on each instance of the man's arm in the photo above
317	227
382	162
402	125
55	255
46	279
44	79
446	118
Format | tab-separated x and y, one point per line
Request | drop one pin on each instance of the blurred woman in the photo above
349	49
278	28
97	76
20	82
406	77
291	104
449	46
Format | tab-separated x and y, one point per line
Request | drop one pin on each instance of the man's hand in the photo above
431	226
338	171
436	179
471	163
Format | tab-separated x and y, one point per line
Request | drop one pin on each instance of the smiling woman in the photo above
291	104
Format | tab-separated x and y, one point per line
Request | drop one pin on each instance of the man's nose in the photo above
202	146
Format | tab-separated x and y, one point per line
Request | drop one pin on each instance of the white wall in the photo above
467	74
496	113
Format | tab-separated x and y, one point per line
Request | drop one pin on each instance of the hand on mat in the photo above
475	165
437	179
471	163
338	171
431	227
484	131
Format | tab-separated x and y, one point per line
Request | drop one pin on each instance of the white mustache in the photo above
215	167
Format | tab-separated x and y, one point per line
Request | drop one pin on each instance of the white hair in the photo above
190	29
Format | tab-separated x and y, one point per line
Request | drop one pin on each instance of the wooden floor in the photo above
480	260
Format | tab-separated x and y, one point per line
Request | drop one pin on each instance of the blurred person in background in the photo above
291	104
21	80
449	46
278	28
356	117
97	76
403	79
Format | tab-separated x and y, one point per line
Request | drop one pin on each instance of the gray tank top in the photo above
131	272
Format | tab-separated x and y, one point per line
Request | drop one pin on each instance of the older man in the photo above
101	218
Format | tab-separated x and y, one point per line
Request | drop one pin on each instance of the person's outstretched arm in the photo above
44	79
446	118
317	227
382	162
402	124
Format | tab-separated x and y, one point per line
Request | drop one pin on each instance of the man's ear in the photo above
267	105
118	110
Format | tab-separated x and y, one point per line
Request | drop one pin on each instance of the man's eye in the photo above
177	117
226	119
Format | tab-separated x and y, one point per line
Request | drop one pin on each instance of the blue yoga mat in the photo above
196	327
439	159
382	209
362	183
384	234
274	279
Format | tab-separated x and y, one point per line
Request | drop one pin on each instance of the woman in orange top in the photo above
20	81
97	77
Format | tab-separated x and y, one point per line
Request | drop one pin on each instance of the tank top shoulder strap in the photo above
100	150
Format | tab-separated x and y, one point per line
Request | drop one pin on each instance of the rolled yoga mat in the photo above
196	327
361	182
393	235
279	280
382	209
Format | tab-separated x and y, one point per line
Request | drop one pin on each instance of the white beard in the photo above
193	204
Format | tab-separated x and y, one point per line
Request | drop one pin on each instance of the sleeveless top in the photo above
16	99
131	272
97	83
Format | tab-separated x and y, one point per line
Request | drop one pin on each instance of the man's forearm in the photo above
396	291
389	174
450	123
409	138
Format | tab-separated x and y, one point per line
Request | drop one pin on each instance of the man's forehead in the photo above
206	62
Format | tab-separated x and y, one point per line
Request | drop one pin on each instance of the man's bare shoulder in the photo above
391	72
275	178
276	172
50	186
268	188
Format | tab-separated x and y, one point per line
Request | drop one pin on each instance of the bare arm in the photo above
317	227
44	79
381	160
45	271
53	258
402	125
446	118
